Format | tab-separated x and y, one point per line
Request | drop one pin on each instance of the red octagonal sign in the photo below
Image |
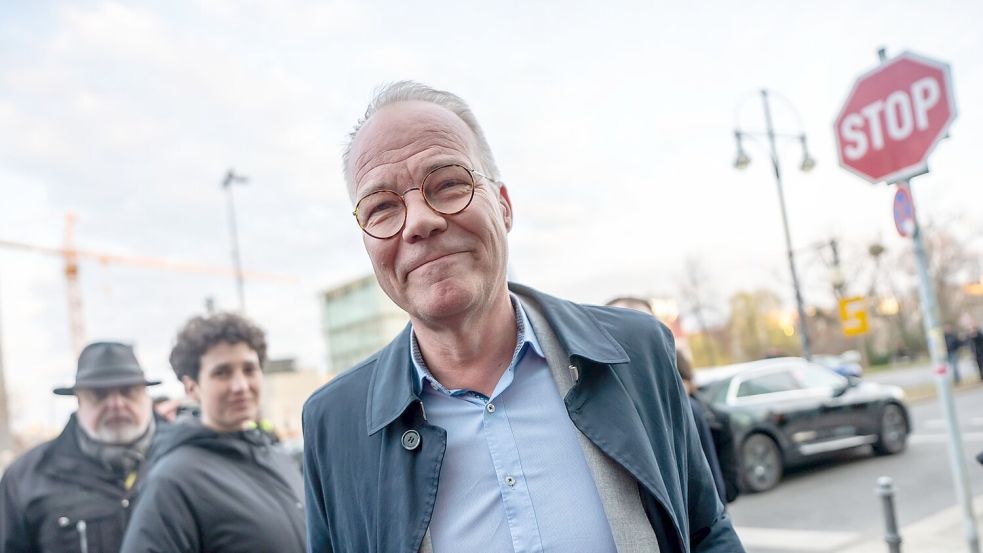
894	117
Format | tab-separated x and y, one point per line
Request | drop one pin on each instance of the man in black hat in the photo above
72	494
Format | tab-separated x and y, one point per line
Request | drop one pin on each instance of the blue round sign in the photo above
904	212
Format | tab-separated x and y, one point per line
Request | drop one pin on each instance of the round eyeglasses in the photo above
448	190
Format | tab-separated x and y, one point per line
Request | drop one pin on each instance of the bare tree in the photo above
697	299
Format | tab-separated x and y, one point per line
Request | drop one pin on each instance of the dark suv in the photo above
787	411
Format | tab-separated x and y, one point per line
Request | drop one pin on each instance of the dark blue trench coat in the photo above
367	492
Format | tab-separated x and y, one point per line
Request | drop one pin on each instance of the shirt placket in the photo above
519	512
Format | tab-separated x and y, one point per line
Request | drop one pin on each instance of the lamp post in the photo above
808	163
230	179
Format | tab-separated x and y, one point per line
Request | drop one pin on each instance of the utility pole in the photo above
230	179
799	304
839	279
808	163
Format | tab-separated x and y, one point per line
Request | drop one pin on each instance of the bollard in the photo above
885	489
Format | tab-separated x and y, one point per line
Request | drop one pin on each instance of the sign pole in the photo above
937	352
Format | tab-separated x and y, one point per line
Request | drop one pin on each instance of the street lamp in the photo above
230	179
808	163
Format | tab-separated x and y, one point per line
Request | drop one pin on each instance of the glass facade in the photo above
359	319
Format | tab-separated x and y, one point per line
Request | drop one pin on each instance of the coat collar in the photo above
392	390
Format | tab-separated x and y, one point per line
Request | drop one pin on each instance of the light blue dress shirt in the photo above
513	478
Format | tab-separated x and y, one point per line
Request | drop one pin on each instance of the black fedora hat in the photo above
107	365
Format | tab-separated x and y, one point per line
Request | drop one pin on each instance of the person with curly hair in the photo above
217	483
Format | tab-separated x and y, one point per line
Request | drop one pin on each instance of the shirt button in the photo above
125	503
63	521
490	407
411	440
510	481
300	505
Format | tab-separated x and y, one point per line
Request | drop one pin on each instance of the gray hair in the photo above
408	91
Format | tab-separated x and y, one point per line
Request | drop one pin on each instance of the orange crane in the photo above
72	255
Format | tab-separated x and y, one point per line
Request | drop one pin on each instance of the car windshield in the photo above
771	383
813	376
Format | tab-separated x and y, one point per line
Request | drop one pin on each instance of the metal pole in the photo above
937	352
803	326
6	439
885	489
231	177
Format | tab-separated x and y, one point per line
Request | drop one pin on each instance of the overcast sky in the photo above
612	124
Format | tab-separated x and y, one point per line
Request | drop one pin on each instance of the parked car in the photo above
847	363
787	411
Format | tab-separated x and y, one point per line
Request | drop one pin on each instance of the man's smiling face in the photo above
440	268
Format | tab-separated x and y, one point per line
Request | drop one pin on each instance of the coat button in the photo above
63	522
411	440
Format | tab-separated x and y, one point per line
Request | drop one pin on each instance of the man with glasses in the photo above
73	494
501	419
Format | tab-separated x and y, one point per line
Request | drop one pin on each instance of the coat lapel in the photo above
597	403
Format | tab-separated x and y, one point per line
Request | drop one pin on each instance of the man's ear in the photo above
506	203
190	387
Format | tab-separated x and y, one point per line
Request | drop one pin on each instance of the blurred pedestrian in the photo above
716	436
501	418
952	345
976	339
702	424
166	408
217	483
72	494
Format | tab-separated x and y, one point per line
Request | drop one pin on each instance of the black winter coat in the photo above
55	499
231	492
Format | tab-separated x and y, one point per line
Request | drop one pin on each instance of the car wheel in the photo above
893	436
761	463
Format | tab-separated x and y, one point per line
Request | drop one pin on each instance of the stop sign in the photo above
893	118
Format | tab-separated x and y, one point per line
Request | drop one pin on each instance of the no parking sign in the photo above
904	211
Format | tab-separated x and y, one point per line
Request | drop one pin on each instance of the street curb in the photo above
926	392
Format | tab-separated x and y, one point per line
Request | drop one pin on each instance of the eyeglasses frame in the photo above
406	209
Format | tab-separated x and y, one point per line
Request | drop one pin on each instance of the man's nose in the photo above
421	220
115	399
239	382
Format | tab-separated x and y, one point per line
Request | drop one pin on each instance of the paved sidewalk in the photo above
939	533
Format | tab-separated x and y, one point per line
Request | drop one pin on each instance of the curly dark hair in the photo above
201	333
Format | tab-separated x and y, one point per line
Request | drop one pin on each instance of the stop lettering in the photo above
893	118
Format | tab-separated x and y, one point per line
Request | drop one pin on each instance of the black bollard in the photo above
885	489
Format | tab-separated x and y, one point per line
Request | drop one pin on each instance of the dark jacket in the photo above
370	493
952	342
706	443
723	443
217	492
54	499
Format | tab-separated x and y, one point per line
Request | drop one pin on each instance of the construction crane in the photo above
72	255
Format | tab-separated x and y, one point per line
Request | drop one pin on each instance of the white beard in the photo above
123	433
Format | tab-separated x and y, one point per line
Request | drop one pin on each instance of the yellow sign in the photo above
853	316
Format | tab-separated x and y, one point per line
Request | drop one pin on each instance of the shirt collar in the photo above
524	336
578	331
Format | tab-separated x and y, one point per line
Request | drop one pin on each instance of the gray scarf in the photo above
121	459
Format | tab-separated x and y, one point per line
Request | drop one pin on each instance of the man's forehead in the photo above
400	131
